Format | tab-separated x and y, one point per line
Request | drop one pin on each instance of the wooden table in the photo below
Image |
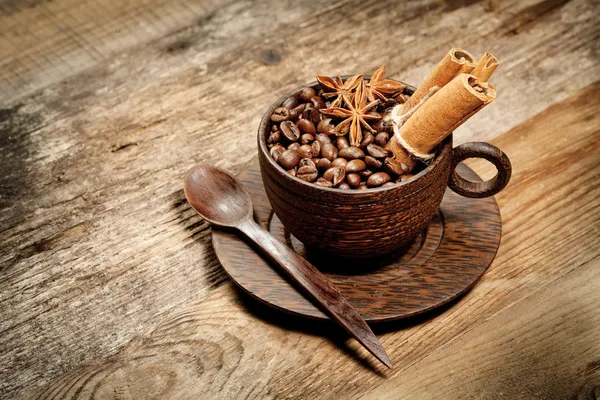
109	286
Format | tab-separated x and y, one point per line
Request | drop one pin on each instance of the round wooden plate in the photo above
442	263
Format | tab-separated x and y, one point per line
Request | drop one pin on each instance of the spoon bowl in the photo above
217	196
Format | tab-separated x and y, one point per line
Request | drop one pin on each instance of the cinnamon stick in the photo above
457	61
441	114
485	67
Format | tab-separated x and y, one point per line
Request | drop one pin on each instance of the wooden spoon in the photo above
223	201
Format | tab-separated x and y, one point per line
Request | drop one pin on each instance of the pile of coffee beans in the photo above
302	142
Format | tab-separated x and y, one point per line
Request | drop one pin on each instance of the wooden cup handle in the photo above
479	189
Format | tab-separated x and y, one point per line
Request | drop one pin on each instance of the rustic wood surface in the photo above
444	261
109	287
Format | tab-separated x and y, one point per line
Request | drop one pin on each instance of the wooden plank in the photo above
98	243
215	348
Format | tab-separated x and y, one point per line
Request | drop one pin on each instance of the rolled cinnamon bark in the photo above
457	61
485	67
442	113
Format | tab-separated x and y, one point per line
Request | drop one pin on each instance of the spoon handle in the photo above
317	286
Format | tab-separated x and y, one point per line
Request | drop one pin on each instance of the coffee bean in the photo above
294	146
316	148
276	151
394	167
335	175
274	137
296	112
324	182
342	142
350	153
323	138
318	102
305	151
406	177
306	138
382	138
376	151
290	131
339	162
365	174
315	115
329	151
290	102
307	93
307	126
324	164
325	126
288	159
378	179
355	166
292	171
308	173
388	184
372	162
280	114
307	162
344	186
274	128
362	186
353	179
368	138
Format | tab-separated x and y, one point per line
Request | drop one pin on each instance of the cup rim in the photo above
443	148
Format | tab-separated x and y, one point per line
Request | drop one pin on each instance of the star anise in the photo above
336	87
356	116
379	87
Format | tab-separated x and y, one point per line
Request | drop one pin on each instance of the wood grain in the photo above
98	245
207	348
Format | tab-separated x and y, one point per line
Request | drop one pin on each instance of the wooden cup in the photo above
372	222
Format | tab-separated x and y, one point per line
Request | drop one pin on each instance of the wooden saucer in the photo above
442	263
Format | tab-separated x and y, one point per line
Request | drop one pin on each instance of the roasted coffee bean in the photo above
373	163
274	128
315	115
324	164
350	153
276	151
365	174
307	162
344	186
382	138
342	142
307	93
306	138
323	138
368	138
378	179
355	166
280	114
377	151
292	171
305	151
290	131
335	175
315	160
329	151
388	184
296	112
339	162
308	173
316	148
362	186
291	102
294	146
394	167
274	137
318	102
307	126
288	159
324	182
353	179
325	126
406	177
